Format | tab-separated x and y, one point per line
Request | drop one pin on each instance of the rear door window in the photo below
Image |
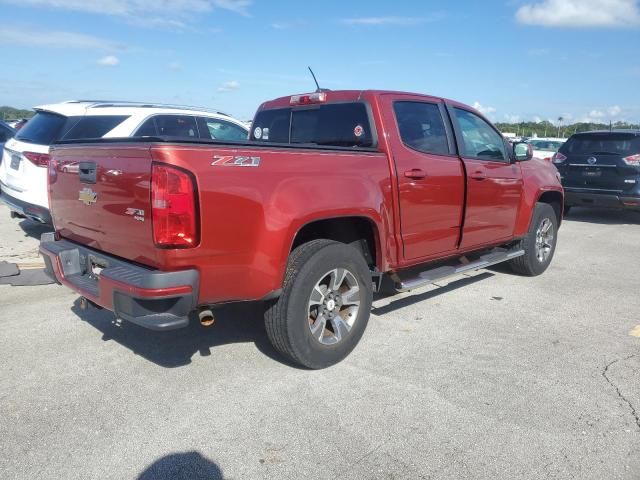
421	127
94	126
337	124
42	129
216	129
604	143
147	129
176	126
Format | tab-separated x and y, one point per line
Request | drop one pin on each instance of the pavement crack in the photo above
634	412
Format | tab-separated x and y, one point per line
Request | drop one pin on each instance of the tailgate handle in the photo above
87	172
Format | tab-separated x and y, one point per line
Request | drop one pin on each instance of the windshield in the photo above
339	125
42	129
546	145
602	143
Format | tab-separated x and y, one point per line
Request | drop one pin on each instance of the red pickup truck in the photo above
334	193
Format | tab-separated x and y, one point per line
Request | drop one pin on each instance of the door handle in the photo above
415	173
478	176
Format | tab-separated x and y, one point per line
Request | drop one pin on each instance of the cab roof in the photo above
354	96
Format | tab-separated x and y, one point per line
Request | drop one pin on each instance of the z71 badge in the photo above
235	161
136	213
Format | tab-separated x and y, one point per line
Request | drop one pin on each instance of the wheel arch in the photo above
555	199
360	231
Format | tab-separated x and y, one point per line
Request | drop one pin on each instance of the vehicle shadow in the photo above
182	466
402	302
235	323
34	229
603	216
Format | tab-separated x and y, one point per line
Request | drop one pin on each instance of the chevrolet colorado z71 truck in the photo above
334	192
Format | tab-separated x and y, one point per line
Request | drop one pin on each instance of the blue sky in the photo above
518	60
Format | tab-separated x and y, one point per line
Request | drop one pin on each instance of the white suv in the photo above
23	166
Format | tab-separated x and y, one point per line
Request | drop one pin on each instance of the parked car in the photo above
336	193
20	123
23	171
6	133
601	169
545	148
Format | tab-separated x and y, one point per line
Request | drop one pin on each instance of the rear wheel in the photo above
325	304
540	243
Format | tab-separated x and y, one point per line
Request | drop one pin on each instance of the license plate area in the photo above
15	162
592	172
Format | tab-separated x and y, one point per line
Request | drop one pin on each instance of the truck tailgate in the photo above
100	197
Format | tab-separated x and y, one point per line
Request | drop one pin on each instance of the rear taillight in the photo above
633	160
173	208
38	159
558	158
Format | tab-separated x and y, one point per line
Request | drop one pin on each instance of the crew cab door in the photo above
429	174
494	183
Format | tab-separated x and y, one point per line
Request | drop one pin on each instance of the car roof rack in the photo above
126	103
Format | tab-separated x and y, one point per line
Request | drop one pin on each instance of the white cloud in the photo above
174	66
596	114
109	61
580	13
511	118
614	111
147	13
391	20
57	39
537	119
482	109
230	86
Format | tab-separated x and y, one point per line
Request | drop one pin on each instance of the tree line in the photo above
548	129
10	113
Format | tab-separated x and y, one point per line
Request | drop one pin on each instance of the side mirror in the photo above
522	151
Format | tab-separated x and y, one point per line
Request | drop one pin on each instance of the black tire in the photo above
530	264
288	320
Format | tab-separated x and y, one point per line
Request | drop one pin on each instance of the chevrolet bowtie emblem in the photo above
87	196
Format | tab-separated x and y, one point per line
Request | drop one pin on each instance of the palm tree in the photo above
560	119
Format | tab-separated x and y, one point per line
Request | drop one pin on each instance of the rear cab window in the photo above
332	124
602	143
43	129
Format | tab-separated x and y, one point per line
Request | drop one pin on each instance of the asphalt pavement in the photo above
489	376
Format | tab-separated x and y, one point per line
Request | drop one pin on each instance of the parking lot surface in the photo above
489	376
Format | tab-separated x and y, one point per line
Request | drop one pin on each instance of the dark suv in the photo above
601	169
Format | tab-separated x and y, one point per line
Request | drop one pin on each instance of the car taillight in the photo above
173	208
558	158
38	159
633	160
308	99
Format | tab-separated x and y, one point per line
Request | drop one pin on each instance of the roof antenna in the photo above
318	89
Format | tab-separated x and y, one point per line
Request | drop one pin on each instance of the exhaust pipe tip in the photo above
206	317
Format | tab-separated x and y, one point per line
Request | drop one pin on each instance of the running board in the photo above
497	255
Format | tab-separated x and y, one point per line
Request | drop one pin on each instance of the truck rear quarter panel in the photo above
250	215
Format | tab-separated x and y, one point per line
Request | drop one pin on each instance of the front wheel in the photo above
540	243
325	304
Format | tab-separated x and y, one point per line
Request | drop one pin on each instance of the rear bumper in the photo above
149	298
29	210
577	198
